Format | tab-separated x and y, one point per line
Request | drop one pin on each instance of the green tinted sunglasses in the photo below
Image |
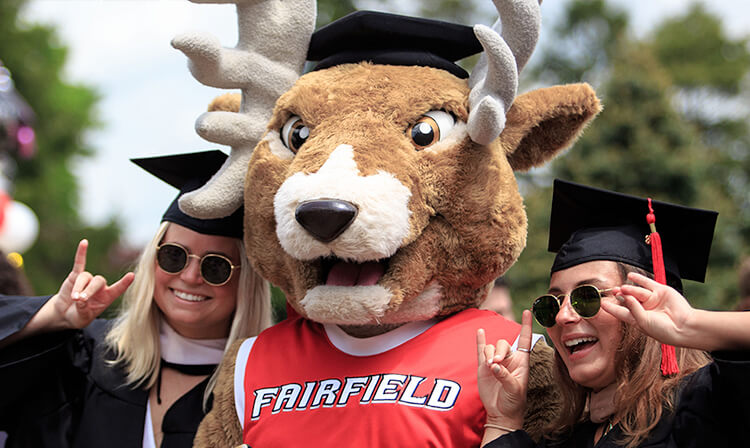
585	300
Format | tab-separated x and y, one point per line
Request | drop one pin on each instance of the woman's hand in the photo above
664	314
503	377
657	310
82	296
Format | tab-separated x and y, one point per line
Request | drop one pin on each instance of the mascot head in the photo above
383	189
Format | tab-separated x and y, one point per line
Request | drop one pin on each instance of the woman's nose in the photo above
192	272
567	314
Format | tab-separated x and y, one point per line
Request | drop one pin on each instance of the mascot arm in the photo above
543	399
220	428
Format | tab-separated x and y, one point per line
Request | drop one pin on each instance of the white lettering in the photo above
382	388
351	386
326	393
263	397
367	396
309	387
287	397
408	397
444	394
388	389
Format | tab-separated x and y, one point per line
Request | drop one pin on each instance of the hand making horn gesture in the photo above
83	296
503	377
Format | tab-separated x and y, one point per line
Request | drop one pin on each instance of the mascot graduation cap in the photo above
379	195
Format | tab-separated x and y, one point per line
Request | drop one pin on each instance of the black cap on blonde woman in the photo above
188	172
588	224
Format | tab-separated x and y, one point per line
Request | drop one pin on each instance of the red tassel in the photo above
668	356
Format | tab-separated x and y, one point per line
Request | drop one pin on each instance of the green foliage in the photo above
697	53
584	41
64	112
710	71
330	10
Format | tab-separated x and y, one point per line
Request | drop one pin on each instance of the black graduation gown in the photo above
713	410
56	390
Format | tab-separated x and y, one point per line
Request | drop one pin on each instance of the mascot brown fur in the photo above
371	203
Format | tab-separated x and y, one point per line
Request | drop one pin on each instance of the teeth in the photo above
189	297
577	341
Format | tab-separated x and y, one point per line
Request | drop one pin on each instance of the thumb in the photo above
120	286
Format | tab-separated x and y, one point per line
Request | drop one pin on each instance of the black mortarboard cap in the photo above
188	172
392	39
588	224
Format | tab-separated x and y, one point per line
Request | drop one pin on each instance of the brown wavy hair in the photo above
640	383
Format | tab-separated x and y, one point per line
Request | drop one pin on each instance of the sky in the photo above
149	99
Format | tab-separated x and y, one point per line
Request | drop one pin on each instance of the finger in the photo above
118	288
80	284
636	309
481	342
641	294
79	262
621	312
505	378
643	281
503	351
524	340
93	287
489	353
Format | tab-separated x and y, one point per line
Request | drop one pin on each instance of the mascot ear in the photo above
543	122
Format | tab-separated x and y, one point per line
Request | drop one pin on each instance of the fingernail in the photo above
74	296
620	298
84	296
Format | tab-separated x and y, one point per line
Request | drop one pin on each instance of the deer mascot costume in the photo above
379	195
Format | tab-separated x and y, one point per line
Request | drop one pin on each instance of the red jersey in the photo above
300	388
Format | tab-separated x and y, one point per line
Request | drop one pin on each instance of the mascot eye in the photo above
294	133
431	128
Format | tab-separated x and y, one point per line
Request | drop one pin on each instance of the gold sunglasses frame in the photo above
560	298
200	263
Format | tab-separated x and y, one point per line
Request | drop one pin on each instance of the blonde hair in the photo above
134	336
643	394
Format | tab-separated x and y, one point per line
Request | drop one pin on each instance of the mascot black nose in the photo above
325	219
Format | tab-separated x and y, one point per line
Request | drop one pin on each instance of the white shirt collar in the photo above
376	345
178	349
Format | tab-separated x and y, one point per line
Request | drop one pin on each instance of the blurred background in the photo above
87	85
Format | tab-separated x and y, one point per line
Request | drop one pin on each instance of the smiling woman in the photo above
613	328
145	378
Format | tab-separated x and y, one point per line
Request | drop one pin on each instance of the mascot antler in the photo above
494	80
269	57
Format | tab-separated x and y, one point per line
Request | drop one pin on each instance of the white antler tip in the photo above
486	121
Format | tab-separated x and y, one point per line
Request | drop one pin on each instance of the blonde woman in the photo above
145	378
613	329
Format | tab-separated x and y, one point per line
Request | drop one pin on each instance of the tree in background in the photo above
710	74
64	112
644	143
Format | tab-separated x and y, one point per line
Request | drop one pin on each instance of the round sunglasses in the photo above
585	300
215	269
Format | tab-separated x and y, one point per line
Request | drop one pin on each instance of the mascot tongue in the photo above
344	273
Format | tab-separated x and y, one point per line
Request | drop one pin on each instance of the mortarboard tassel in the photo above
668	356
